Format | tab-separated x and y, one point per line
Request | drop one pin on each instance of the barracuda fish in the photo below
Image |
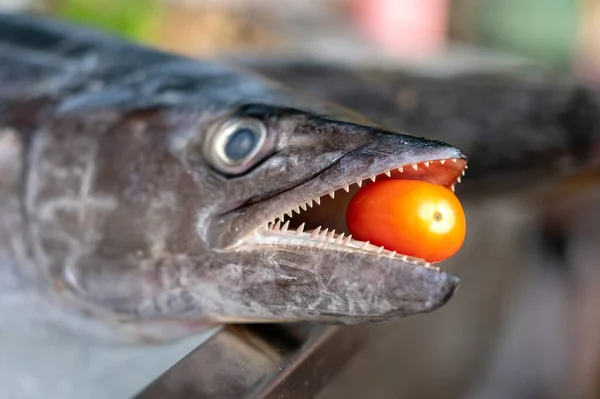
146	197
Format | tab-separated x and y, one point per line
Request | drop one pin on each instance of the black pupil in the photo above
240	144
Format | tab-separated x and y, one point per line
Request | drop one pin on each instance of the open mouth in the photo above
320	222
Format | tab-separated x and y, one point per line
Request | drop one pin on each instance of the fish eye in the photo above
236	144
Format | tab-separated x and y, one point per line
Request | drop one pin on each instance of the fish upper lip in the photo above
275	231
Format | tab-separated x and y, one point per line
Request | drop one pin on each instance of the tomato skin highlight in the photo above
410	217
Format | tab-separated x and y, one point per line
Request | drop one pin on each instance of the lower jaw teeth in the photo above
320	239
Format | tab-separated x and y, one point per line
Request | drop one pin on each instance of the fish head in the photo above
277	183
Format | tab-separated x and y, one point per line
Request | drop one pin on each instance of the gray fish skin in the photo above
116	225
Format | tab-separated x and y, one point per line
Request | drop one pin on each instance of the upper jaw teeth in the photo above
388	173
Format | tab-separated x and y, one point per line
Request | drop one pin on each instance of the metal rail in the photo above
259	361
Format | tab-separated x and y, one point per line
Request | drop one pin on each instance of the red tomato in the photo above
410	217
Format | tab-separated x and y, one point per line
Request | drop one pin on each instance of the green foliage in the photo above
135	19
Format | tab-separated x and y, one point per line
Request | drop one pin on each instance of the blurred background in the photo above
525	323
563	34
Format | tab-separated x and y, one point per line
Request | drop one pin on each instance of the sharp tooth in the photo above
463	172
300	229
315	232
339	238
318	201
401	169
330	235
458	180
426	164
289	214
347	188
285	226
427	264
303	206
332	194
282	218
388	173
454	160
452	188
277	225
366	244
323	234
405	258
380	250
310	203
443	161
466	167
297	210
347	240
359	183
414	166
373	178
392	255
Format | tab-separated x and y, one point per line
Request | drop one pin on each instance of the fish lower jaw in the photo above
275	236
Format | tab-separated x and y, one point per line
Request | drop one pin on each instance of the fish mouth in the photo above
319	222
